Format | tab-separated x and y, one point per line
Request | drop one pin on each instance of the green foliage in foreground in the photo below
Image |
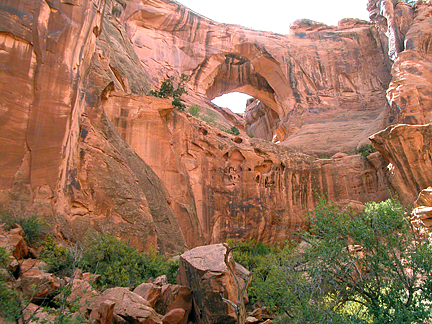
10	303
121	264
60	260
368	268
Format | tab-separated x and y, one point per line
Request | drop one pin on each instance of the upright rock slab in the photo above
204	271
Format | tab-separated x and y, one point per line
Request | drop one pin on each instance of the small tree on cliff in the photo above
167	90
374	267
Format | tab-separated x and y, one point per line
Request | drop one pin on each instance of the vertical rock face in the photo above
223	186
63	157
82	145
407	148
204	271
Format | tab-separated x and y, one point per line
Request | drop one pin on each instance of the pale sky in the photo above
275	16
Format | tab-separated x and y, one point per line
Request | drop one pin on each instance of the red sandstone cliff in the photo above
84	147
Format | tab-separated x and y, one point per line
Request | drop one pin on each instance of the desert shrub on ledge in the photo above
365	150
168	90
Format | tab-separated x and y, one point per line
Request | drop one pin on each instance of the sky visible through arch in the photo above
274	16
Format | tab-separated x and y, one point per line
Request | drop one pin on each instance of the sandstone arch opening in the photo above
234	101
254	72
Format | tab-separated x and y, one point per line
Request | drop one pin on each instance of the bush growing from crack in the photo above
168	90
233	130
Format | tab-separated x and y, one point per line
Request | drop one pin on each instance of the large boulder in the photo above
165	298
204	271
405	148
14	242
37	285
423	208
129	307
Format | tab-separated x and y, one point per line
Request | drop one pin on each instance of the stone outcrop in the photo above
167	299
13	241
204	271
312	78
128	308
409	93
35	284
237	187
423	208
407	150
63	158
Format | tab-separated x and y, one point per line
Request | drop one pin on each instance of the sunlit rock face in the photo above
236	187
312	78
61	156
407	149
83	146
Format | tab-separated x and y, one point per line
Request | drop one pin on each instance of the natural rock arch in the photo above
245	68
250	70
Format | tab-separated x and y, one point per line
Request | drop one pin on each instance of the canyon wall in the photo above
325	84
83	146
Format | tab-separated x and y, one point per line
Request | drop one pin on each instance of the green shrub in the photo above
121	264
365	150
10	301
34	228
372	267
254	256
168	90
233	130
60	260
210	117
195	110
178	104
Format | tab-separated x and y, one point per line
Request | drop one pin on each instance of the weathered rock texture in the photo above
325	85
237	187
82	145
61	156
423	208
204	271
408	150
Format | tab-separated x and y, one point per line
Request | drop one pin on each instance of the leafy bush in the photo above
195	110
60	260
168	90
121	264
34	228
373	267
210	118
254	256
365	150
233	130
10	302
178	104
